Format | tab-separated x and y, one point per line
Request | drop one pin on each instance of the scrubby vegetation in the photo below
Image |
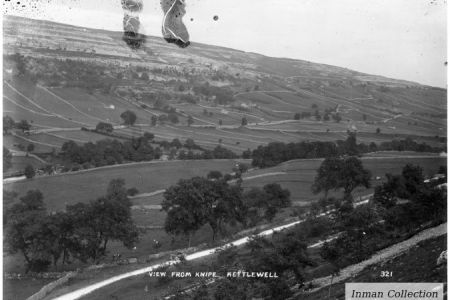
358	231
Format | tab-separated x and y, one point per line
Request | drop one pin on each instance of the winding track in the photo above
77	294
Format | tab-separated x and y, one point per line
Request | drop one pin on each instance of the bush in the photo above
39	265
132	191
29	172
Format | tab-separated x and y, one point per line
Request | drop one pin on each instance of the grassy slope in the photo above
20	162
149	177
163	173
66	189
300	174
416	265
22	289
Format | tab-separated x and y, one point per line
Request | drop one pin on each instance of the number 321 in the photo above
385	274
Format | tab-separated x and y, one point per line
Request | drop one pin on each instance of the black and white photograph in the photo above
224	150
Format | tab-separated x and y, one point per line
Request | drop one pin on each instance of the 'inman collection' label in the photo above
394	291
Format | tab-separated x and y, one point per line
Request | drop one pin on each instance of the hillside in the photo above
82	109
76	77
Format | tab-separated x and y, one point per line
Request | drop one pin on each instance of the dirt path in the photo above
25	154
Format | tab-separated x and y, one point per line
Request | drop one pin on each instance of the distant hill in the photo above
81	76
44	35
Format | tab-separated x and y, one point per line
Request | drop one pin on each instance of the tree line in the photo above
110	152
276	152
10	124
81	232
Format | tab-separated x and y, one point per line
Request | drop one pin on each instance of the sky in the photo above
403	39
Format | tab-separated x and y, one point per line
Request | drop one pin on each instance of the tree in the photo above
247	154
190	121
186	207
413	176
30	147
378	131
104	127
57	236
144	76
128	117
229	289
108	218
220	122
192	203
23	125
8	124
352	175
244	121
276	198
23	230
327	177
173	118
334	257
202	293
132	192
29	171
350	146
285	254
384	196
154	120
337	118
190	144
347	173
297	116
442	170
7	159
216	175
176	143
317	115
149	136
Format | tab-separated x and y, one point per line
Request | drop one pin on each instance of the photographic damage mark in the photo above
131	23
173	28
132	5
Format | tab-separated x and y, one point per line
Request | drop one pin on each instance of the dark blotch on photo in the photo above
132	5
173	28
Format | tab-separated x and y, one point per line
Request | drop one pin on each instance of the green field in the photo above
64	189
20	162
75	107
300	174
83	186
